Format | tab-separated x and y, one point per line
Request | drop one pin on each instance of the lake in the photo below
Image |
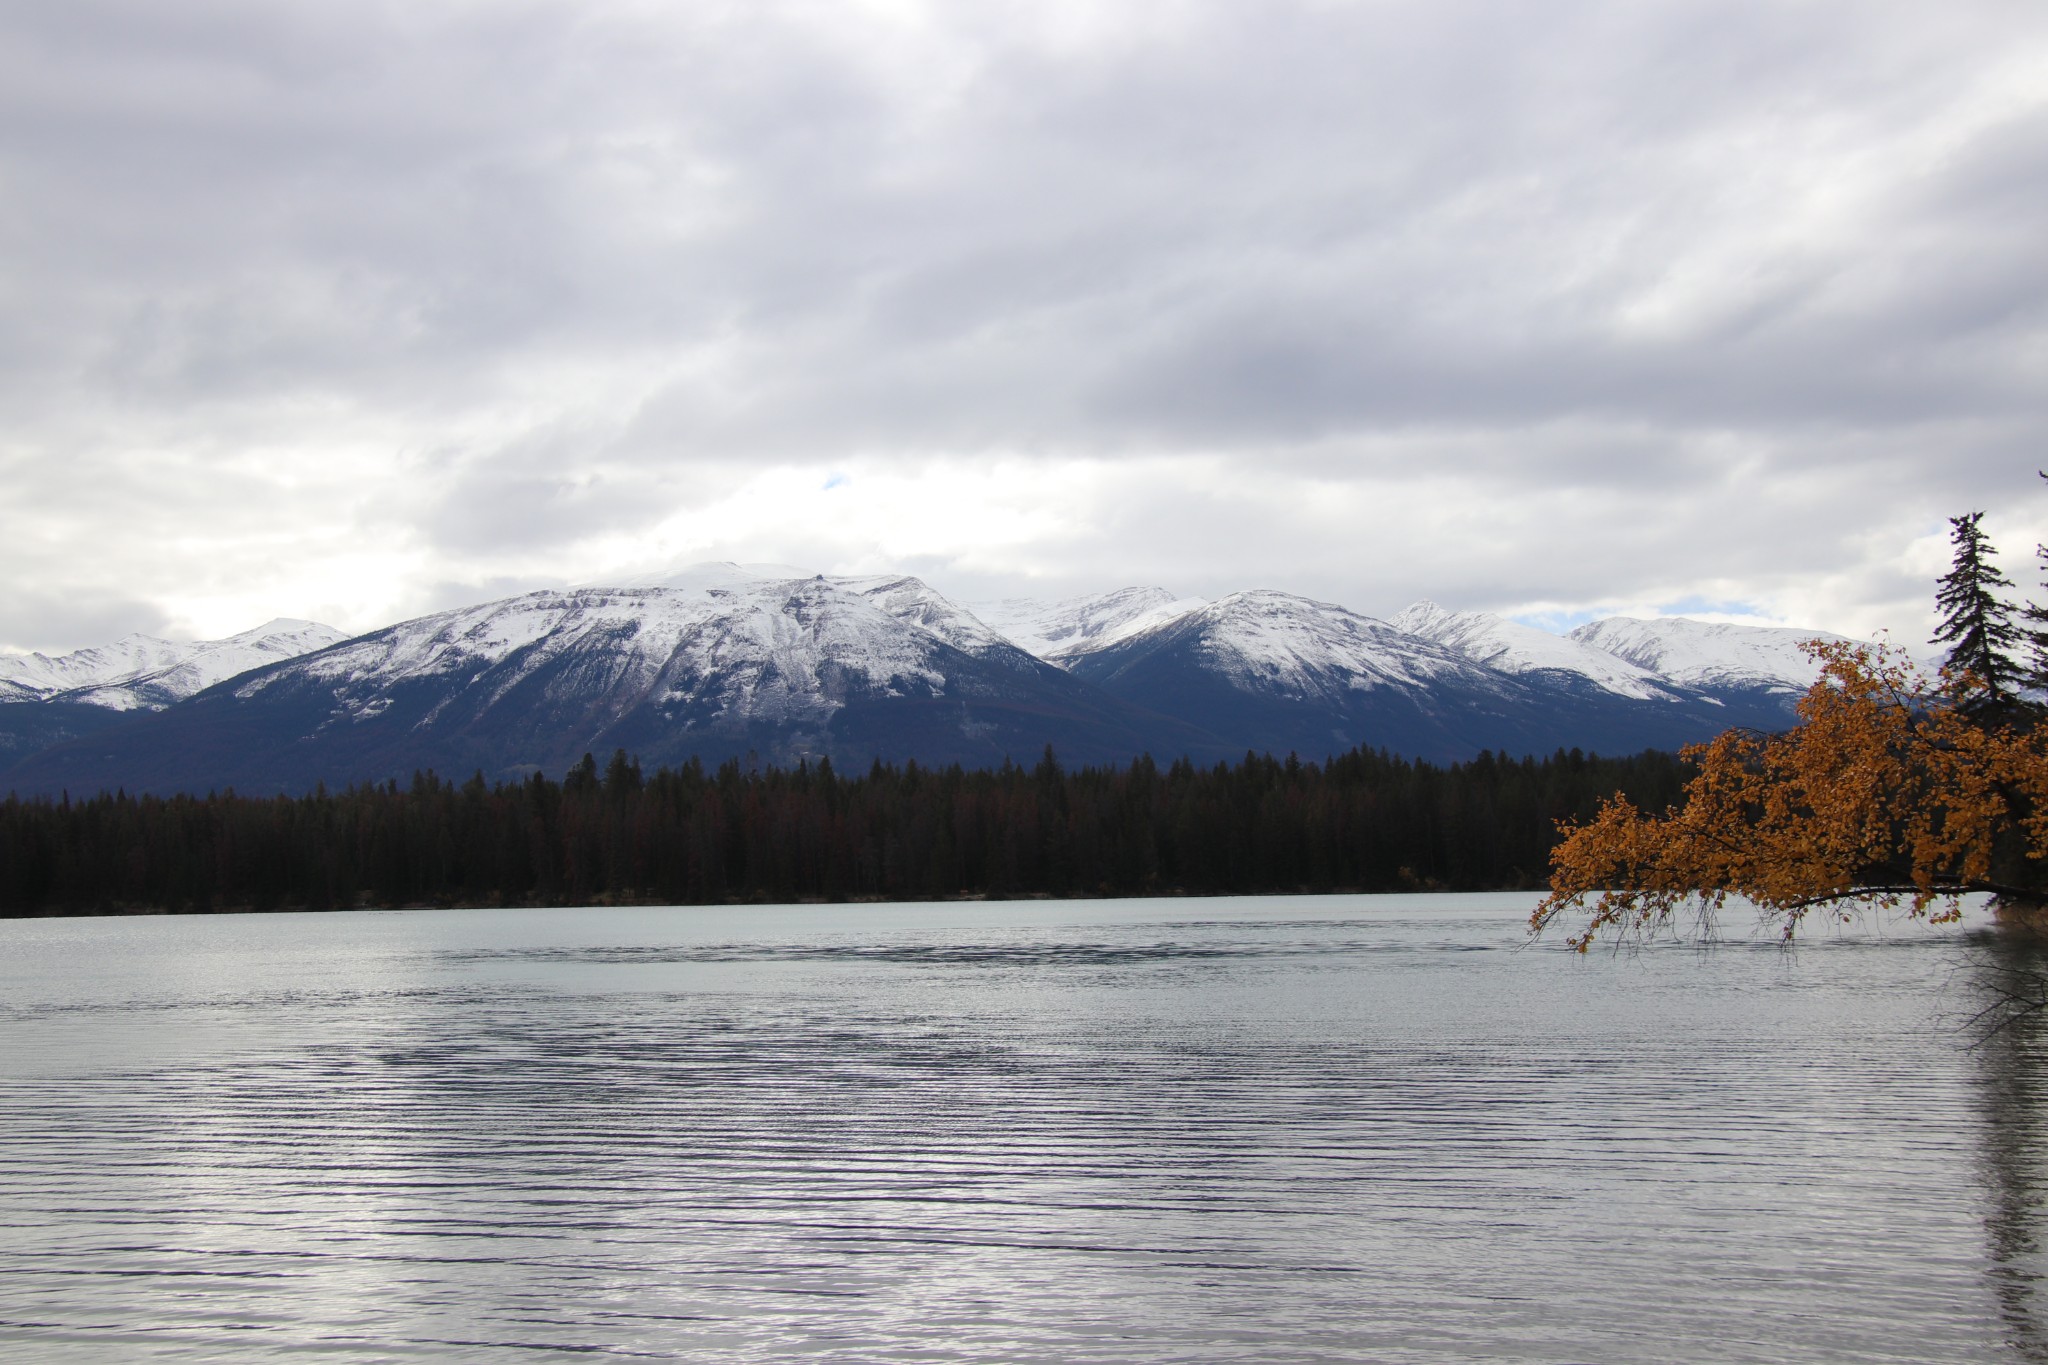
1281	1128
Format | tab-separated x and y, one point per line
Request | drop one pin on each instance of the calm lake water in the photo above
1290	1129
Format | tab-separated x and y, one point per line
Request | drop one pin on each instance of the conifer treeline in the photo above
1365	821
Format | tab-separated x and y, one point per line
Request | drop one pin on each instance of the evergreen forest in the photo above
1363	821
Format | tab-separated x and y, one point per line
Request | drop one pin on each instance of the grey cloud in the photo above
533	514
1776	262
55	619
1248	227
547	486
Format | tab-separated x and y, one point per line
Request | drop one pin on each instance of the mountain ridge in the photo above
778	670
772	665
143	672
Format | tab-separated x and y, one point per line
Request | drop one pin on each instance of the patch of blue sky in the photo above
1698	608
1557	622
1705	608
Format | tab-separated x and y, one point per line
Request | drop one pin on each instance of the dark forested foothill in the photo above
1362	822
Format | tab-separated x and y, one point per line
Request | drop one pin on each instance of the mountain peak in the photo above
1708	653
1273	641
1420	618
1063	630
1511	647
142	672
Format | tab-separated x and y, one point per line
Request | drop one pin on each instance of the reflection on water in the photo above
2009	974
1293	1129
1194	942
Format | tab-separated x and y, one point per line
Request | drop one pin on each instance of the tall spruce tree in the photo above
1976	623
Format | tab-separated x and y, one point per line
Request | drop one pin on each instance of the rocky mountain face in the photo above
769	667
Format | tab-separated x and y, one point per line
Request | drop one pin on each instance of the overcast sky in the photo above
353	312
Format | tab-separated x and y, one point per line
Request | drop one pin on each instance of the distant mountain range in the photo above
143	673
761	665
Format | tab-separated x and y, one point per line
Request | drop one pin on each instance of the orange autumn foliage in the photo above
1885	793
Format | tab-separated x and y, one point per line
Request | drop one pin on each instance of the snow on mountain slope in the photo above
1061	631
1277	644
1285	674
765	649
1278	673
1704	654
763	670
129	657
1053	631
1511	647
916	602
142	672
899	595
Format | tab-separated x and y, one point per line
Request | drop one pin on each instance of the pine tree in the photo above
1976	623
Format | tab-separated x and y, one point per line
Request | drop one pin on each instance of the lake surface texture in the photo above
1328	1128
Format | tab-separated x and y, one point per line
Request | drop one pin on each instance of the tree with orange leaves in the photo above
1894	789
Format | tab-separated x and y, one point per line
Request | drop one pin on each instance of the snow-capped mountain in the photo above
911	600
899	595
1061	631
1511	647
1296	647
1703	654
1283	674
141	672
769	664
780	669
37	677
1274	671
776	651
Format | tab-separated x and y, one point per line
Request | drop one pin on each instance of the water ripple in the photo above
1285	1140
